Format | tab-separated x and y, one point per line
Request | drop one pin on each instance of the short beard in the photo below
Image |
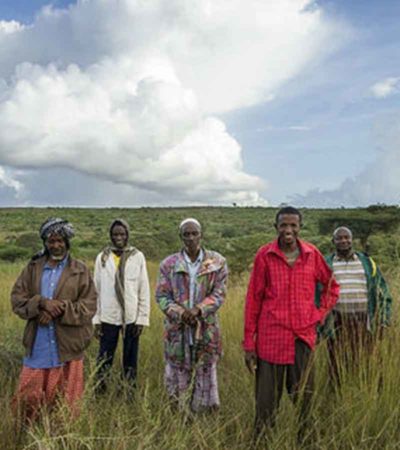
347	252
57	258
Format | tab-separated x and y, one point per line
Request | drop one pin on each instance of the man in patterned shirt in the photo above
281	317
363	308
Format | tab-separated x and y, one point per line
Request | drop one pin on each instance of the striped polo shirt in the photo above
350	274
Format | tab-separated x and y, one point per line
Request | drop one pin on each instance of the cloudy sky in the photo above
176	102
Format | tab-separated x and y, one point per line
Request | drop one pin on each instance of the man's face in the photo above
56	247
119	236
288	228
343	241
191	237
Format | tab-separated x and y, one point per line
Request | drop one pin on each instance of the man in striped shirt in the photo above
363	308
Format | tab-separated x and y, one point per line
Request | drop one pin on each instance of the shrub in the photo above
13	252
29	240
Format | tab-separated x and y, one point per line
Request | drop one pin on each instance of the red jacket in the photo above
280	302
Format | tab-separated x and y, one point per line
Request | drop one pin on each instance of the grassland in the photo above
359	415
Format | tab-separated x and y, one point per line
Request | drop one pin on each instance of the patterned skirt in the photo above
39	388
197	387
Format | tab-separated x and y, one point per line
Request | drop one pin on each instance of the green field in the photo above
357	416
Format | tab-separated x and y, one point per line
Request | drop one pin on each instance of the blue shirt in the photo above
45	349
193	268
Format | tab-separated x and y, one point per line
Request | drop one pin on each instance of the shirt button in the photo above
52	342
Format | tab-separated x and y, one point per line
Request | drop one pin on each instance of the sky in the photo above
206	102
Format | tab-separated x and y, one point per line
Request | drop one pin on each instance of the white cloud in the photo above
378	182
128	91
285	128
386	87
9	181
299	128
8	27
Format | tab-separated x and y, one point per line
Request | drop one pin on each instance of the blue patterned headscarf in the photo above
55	225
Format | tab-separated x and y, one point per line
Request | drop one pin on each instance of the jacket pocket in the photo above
75	340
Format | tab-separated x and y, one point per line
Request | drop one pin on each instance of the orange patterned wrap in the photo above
39	388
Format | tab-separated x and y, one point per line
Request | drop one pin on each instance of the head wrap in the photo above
342	228
55	225
189	220
123	223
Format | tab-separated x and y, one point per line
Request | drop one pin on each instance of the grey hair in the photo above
189	220
340	229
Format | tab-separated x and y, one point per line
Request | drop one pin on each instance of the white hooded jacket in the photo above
137	291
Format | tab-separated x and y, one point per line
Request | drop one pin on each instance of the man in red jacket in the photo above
281	317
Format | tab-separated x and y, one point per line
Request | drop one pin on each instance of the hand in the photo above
54	307
97	331
44	318
195	311
189	316
381	332
137	330
250	358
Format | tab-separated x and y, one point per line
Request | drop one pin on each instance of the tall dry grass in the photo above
359	415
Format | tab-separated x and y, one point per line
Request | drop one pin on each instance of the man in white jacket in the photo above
123	302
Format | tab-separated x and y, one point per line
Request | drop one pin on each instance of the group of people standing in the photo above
293	292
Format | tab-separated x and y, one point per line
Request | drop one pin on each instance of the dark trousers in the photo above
270	379
351	342
108	345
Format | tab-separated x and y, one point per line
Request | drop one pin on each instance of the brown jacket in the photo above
76	289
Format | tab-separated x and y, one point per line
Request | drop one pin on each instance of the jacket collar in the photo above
352	257
209	263
72	267
72	264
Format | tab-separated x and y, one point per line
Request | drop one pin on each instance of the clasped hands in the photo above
49	310
189	316
136	331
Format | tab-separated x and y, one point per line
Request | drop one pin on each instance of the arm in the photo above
319	287
97	285
254	297
143	317
384	299
81	311
23	303
217	296
165	298
330	289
